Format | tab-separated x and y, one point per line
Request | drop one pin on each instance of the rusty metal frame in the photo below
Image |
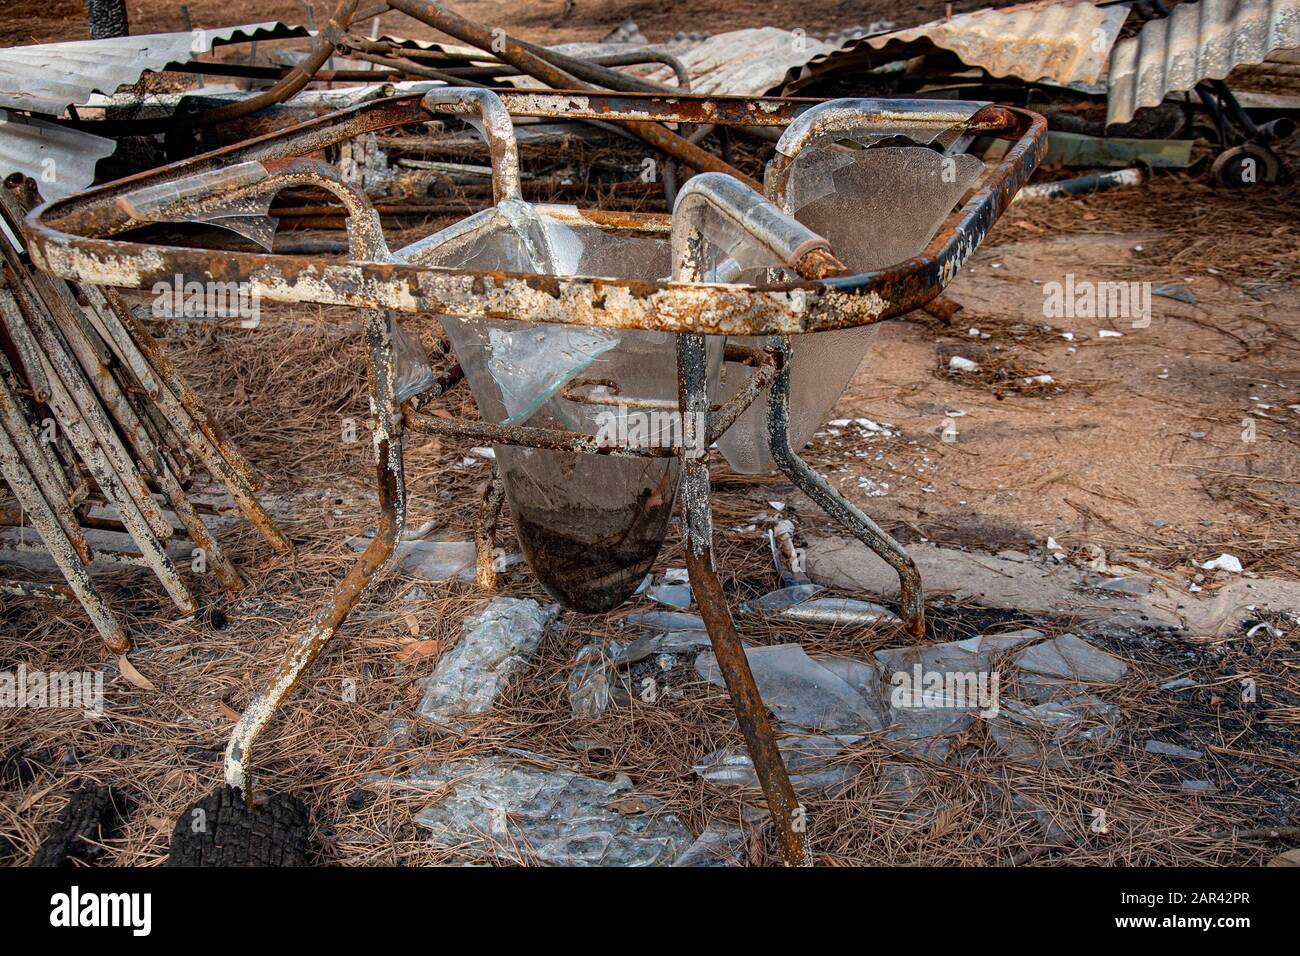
73	237
78	238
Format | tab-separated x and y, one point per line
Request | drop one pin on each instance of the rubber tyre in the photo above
226	833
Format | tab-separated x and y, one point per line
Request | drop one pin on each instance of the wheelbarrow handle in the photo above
495	125
787	239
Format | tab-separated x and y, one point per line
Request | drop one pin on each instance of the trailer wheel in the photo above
220	830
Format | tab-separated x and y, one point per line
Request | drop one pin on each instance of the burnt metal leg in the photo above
833	503
485	532
751	713
347	593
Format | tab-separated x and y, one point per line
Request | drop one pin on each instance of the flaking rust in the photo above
77	238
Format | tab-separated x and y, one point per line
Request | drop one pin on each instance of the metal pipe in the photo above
61	549
647	55
494	125
1082	185
911	608
83	420
779	233
879	116
93	355
348	592
173	397
751	713
387	414
522	56
35	455
321	50
485	530
170	395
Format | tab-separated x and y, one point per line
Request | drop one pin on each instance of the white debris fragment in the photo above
959	364
873	488
484	453
1038	380
1224	562
1109	334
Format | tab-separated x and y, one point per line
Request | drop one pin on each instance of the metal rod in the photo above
485	530
148	454
84	421
170	394
322	49
387	413
911	608
494	125
60	547
746	701
35	455
348	592
523	56
184	411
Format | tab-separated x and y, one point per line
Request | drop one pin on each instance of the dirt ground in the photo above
1163	446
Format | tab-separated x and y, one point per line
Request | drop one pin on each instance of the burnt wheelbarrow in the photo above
561	318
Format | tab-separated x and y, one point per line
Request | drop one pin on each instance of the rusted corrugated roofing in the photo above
1197	41
47	78
1061	42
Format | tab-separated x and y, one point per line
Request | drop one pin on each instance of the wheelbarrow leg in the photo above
387	415
485	532
751	713
833	503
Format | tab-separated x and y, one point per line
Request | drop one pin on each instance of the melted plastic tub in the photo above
589	525
879	198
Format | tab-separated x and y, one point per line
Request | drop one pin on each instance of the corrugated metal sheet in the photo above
1197	41
1280	73
48	77
1061	42
752	61
61	160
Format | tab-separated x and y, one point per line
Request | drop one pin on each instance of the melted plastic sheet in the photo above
589	525
249	216
879	199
